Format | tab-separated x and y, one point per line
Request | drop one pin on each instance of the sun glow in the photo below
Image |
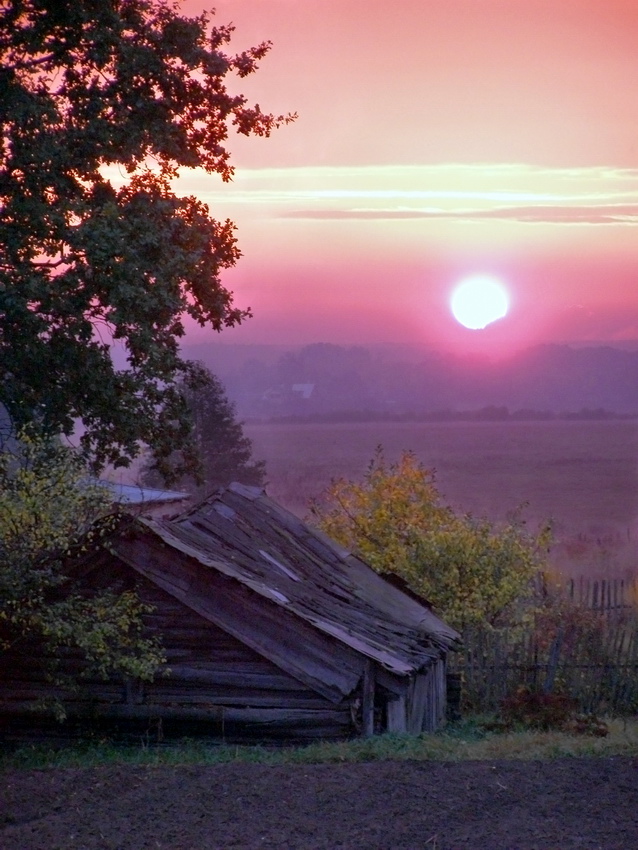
478	301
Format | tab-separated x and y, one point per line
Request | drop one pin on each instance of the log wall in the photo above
220	686
213	680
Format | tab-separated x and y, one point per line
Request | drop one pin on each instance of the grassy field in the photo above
583	475
466	740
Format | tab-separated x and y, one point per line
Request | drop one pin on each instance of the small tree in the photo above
473	572
223	451
50	516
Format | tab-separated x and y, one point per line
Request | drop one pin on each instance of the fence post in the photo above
552	664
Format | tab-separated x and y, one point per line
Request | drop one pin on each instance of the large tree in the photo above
101	103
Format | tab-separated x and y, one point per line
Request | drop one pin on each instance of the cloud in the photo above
497	192
539	214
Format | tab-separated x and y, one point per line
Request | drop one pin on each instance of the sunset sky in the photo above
435	139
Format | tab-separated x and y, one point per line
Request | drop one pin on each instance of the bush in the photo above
537	710
51	516
548	711
473	572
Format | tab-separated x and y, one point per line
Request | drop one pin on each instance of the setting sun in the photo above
478	301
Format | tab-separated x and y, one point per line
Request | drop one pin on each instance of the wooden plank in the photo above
367	699
417	704
321	663
187	697
263	716
440	710
239	678
396	715
389	659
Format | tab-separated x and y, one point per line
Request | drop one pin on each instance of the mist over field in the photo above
552	429
581	475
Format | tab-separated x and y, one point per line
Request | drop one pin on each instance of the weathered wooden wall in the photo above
239	667
214	679
214	675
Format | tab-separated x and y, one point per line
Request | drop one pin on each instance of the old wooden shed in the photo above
271	630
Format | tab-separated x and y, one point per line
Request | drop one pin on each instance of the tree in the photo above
101	103
471	571
51	515
224	452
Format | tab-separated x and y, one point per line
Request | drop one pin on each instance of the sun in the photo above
478	301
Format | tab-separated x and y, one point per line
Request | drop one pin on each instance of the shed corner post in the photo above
397	715
367	699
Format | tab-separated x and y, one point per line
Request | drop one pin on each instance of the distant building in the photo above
303	390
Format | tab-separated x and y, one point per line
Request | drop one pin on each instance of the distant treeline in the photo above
490	413
323	382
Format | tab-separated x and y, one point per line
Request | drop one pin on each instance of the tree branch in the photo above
30	63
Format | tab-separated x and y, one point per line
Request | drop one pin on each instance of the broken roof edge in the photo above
390	661
453	638
395	591
248	491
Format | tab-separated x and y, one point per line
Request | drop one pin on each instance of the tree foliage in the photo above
51	515
101	103
223	451
473	572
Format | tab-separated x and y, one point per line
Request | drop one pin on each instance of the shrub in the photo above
474	572
537	710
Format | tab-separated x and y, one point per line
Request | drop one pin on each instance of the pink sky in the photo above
435	139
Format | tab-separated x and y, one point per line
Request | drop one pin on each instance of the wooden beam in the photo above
367	699
396	715
221	713
418	703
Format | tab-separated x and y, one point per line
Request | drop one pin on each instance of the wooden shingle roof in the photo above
244	535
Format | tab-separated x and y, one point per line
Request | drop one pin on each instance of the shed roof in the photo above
243	534
133	494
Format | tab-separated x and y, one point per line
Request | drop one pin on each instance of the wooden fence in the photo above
605	595
588	650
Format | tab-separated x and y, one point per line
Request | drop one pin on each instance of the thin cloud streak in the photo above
609	214
505	192
489	170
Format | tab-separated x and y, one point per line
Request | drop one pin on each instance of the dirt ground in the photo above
497	805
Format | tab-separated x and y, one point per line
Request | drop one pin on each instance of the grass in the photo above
467	740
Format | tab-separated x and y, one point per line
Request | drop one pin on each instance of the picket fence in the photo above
604	595
591	654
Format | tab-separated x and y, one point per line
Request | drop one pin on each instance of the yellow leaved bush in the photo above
472	571
51	515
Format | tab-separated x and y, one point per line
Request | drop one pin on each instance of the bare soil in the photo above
495	805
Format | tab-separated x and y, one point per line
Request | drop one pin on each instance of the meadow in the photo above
583	475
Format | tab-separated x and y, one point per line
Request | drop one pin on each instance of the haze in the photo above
439	140
435	141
